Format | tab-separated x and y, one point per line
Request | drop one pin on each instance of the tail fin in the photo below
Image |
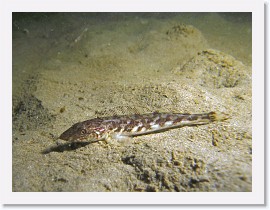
218	116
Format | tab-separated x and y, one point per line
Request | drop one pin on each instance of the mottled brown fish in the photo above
125	126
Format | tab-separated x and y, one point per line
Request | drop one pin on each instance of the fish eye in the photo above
83	131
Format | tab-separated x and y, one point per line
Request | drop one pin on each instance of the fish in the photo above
128	126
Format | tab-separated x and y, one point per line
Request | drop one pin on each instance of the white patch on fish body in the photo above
143	129
168	123
152	123
135	129
155	126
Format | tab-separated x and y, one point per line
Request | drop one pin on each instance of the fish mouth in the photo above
66	136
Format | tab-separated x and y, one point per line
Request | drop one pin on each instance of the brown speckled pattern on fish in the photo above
133	125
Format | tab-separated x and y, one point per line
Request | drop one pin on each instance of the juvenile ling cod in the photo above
125	126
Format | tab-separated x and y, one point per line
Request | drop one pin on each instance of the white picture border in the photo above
257	195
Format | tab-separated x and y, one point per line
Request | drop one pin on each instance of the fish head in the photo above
76	132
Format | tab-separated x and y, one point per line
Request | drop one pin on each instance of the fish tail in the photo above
218	116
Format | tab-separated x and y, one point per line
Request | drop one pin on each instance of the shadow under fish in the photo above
66	147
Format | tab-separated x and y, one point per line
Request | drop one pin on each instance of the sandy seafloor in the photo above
70	67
